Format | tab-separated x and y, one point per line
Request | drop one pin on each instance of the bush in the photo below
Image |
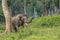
47	21
2	19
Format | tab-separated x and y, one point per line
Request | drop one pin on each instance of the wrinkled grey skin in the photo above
20	20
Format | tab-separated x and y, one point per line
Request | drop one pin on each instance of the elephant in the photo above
20	20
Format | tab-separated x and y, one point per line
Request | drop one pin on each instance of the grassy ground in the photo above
43	28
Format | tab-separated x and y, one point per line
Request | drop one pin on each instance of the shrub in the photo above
47	21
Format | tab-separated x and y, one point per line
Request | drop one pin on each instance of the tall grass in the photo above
42	28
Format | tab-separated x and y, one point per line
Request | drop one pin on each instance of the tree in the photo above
7	14
24	6
35	11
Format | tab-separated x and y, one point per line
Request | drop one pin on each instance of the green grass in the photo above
43	28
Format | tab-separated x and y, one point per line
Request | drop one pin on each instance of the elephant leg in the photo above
15	27
18	25
22	24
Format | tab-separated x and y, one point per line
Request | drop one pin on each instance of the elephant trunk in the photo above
30	20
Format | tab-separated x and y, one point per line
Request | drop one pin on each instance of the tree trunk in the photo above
7	14
24	6
59	6
35	12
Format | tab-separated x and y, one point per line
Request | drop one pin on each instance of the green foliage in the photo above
18	6
47	21
36	30
1	13
9	2
2	18
0	10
